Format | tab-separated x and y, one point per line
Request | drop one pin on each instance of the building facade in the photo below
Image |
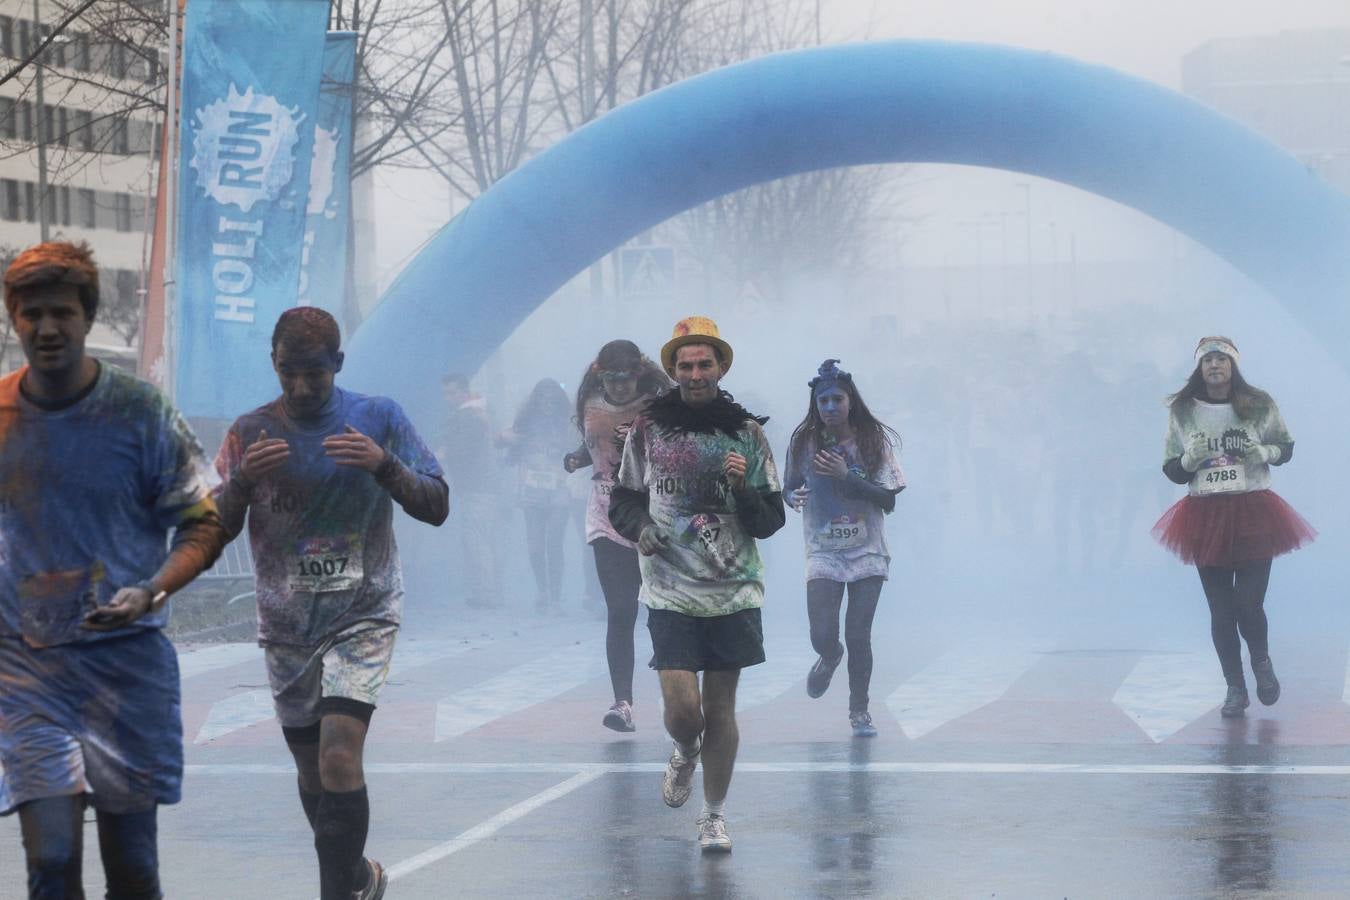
1293	87
98	125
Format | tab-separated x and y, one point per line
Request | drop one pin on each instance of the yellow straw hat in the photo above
695	330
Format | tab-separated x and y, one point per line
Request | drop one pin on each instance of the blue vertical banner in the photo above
251	84
330	182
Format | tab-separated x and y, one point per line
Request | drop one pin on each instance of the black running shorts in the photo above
705	643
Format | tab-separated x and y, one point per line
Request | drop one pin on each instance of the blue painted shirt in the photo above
322	535
88	495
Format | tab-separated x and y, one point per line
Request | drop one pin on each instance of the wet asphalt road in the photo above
1040	771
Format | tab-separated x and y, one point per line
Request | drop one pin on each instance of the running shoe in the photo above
818	679
620	717
376	882
862	724
678	782
712	834
1235	702
1267	685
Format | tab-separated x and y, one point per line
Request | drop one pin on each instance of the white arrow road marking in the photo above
519	688
1167	690
762	683
253	707
958	682
219	656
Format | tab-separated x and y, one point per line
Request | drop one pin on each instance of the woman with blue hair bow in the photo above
842	475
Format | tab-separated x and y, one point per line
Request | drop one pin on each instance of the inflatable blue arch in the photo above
905	101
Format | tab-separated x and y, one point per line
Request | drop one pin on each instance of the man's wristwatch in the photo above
157	598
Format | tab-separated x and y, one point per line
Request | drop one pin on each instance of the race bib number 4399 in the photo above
1222	477
842	533
323	564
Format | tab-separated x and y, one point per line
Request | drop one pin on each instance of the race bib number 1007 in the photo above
1222	476
325	564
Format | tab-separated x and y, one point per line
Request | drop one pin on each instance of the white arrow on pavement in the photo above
519	688
958	682
250	708
1169	689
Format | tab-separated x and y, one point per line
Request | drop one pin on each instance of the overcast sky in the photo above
1146	38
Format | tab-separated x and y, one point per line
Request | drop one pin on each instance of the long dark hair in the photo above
874	436
543	409
618	356
1250	403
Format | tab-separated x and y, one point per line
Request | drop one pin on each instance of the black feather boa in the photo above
673	416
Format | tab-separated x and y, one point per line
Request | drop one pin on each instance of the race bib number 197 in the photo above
324	564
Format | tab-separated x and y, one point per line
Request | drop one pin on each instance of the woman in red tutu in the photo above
1223	436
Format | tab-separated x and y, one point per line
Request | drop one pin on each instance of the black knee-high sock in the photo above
340	827
310	802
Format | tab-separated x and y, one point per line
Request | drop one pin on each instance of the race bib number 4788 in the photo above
1222	477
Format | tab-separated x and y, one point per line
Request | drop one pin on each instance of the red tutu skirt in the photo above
1229	529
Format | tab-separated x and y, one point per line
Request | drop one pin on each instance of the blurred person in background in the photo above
536	443
614	389
465	451
842	475
1223	436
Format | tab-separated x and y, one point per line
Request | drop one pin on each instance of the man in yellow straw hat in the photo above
697	485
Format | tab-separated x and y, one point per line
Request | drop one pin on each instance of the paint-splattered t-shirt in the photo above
322	535
1226	435
845	536
602	417
711	566
88	494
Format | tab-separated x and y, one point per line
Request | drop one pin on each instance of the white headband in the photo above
1215	345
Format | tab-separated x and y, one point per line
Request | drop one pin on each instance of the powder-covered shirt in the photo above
601	418
538	451
1226	435
845	536
711	566
88	494
322	534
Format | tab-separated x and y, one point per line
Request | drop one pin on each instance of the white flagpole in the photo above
171	209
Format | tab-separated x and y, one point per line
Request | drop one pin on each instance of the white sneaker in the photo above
678	782
712	834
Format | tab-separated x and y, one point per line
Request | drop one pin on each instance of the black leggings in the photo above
53	844
620	581
1237	599
545	527
823	599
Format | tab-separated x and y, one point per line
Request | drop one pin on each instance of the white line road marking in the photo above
230	770
957	683
220	656
250	708
519	688
760	684
1166	691
487	829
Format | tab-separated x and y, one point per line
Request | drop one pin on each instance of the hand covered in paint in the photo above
572	462
797	499
352	448
263	456
831	463
733	467
652	540
1260	453
128	605
1196	452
